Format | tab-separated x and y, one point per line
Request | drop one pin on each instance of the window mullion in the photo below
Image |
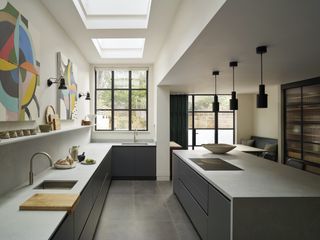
112	100
130	110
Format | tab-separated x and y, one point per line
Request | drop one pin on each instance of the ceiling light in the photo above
262	97
215	104
233	100
119	47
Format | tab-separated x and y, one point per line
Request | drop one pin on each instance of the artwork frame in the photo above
19	67
67	98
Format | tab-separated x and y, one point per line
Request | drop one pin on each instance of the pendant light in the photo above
262	97
233	101
215	104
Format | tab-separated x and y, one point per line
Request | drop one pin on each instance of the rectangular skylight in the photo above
119	47
114	14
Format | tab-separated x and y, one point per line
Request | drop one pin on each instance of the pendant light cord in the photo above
233	78
261	70
215	84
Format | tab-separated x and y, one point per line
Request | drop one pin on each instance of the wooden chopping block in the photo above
51	202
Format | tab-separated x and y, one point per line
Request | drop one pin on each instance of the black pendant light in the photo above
215	104
262	97
233	101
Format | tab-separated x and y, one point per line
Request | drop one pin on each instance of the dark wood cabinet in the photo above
134	162
65	230
301	121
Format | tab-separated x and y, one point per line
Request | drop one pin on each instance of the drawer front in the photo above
196	185
195	212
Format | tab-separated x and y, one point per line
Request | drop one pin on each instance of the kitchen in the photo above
120	111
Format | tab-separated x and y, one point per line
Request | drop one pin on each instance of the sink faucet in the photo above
31	164
135	134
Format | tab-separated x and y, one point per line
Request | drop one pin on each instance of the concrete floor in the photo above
143	210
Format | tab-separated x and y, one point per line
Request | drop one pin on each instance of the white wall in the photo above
163	133
15	158
190	20
244	117
100	136
52	40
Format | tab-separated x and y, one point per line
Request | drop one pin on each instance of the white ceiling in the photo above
162	14
290	28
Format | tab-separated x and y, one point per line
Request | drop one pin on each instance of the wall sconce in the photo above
60	81
85	94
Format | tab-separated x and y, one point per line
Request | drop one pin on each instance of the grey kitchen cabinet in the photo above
123	162
82	223
219	217
65	231
134	162
208	209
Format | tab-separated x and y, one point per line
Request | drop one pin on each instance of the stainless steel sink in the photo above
56	184
135	143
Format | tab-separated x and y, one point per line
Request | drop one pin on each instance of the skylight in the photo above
119	47
114	14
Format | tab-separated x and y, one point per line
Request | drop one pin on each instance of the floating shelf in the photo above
41	135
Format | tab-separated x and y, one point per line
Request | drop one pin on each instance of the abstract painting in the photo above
19	69
67	98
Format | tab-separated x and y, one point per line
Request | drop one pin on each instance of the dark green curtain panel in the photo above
179	119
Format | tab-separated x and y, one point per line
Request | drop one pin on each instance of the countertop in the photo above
259	178
33	225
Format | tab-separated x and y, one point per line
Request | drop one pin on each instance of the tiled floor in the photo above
143	210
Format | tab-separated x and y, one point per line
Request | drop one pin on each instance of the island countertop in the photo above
259	177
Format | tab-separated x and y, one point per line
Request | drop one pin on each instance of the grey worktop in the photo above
259	178
33	225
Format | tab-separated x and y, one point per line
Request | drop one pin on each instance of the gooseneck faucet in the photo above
135	133
31	164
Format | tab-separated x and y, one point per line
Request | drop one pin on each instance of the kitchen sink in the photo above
214	164
135	143
56	184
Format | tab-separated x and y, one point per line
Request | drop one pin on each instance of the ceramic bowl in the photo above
20	133
218	148
33	131
26	132
45	128
13	134
4	135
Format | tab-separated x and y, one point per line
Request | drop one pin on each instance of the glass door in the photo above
207	127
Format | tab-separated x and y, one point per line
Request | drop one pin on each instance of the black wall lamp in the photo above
215	104
60	81
262	97
85	94
233	101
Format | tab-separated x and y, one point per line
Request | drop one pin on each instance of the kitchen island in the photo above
260	200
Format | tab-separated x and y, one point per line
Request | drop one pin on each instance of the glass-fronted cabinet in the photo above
301	114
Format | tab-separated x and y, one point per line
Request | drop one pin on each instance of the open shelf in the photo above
41	135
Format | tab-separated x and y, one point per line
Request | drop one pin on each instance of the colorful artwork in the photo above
67	98
19	69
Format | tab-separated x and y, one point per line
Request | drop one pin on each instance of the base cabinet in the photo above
82	223
208	209
134	162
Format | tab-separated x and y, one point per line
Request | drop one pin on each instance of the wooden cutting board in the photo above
51	202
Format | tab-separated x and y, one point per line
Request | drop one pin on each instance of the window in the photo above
121	99
206	126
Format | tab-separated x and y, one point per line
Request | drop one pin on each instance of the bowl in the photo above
220	148
45	128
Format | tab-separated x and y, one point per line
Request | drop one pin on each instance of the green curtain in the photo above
179	119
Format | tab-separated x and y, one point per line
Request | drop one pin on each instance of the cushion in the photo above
271	147
247	142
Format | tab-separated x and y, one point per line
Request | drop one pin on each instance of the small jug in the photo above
74	152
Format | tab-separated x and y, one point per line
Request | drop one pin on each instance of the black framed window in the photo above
121	99
205	126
